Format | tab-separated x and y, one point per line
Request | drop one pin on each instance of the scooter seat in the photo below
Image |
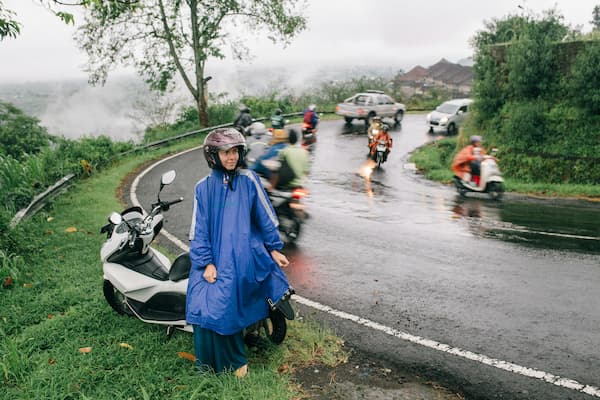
181	268
149	265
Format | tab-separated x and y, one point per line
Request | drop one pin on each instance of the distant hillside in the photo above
456	78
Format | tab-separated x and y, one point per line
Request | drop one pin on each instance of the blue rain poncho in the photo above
236	230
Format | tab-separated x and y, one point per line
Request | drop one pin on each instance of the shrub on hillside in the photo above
584	83
20	134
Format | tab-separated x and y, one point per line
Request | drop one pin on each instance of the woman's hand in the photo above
210	273
279	258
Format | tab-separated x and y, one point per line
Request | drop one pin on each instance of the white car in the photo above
449	116
370	104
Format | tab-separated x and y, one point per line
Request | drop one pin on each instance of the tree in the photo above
596	18
10	27
169	39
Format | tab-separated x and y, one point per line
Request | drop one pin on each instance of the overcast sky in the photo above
398	33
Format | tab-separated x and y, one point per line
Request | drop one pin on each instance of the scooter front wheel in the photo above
115	299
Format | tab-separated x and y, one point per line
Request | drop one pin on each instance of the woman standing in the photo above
234	250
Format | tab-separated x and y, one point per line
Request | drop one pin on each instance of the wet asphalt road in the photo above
516	280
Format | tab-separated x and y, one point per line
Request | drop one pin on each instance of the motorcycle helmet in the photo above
223	139
385	127
279	136
257	129
312	107
278	111
475	139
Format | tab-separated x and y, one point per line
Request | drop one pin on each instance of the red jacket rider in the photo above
382	135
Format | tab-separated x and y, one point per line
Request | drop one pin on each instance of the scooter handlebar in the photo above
164	205
168	204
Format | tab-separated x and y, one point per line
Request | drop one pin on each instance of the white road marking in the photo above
564	235
431	344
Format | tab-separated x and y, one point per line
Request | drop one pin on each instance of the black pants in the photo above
475	167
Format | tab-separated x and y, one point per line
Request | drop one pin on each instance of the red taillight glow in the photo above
337	108
299	193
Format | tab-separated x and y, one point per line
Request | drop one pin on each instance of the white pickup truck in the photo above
369	104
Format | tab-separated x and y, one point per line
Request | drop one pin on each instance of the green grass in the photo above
55	307
433	161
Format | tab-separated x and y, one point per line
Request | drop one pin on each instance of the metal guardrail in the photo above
40	200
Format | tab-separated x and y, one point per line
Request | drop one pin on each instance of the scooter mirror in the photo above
168	178
115	218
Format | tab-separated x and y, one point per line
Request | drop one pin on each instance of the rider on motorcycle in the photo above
243	119
294	165
374	128
310	117
467	163
277	121
277	143
384	136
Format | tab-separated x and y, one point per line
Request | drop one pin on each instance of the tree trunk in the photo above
202	111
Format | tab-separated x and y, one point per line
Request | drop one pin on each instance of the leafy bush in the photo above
524	125
537	99
584	83
532	67
20	134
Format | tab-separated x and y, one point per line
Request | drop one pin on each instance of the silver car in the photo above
449	116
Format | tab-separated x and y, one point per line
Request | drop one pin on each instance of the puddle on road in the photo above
559	225
564	225
393	196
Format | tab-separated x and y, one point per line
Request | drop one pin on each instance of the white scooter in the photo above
141	282
490	181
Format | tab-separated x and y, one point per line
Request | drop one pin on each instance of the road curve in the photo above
498	300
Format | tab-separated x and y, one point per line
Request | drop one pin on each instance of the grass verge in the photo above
434	160
60	340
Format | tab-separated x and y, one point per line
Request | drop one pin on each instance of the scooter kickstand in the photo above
170	331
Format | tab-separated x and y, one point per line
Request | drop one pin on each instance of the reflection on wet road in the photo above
514	279
342	178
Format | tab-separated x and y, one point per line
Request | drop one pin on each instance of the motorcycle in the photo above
141	282
490	181
309	136
380	149
290	211
288	205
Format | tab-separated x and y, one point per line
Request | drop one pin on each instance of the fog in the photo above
342	36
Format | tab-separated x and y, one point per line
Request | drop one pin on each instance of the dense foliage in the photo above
31	161
537	99
20	134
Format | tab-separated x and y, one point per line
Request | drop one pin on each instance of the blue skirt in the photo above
219	353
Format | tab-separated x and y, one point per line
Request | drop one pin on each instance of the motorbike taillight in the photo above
299	193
